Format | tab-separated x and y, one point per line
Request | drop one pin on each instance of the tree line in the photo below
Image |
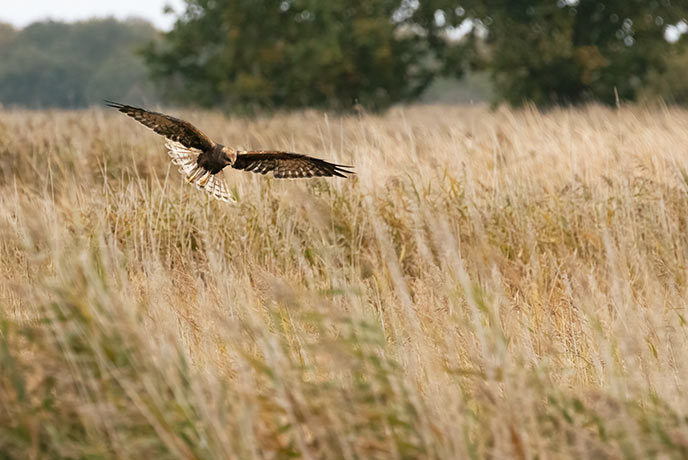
53	64
248	55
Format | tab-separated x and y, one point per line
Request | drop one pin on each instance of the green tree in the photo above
670	84
7	34
52	64
568	51
294	53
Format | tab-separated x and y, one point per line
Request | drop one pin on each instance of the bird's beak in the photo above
230	155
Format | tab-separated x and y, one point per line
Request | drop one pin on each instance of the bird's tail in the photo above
187	160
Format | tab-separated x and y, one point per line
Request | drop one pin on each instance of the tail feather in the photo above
186	159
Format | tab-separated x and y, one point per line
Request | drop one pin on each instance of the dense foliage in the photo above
571	51
309	53
295	53
242	55
51	64
671	83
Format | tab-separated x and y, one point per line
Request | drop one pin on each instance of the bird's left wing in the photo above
286	165
172	128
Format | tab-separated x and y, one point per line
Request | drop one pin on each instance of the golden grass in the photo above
506	284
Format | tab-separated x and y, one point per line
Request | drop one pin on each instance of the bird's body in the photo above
216	159
200	159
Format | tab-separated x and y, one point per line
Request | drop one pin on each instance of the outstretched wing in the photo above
172	128
287	165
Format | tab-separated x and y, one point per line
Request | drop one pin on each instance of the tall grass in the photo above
508	284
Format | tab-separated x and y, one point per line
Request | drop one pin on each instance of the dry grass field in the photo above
507	284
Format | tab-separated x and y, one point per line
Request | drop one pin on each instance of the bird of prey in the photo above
200	159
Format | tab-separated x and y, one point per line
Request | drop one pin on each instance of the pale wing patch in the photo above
186	159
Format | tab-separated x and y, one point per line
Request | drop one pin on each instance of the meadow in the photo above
491	284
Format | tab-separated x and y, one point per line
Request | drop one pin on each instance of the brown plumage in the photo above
200	159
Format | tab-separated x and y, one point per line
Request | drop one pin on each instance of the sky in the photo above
21	13
673	33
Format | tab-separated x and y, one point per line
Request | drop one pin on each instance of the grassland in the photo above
508	284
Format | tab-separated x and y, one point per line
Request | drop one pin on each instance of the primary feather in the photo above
287	165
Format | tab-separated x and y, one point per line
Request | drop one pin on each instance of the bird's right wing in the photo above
172	128
286	165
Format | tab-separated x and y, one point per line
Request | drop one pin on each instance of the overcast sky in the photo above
21	13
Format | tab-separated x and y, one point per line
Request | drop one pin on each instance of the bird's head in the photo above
229	154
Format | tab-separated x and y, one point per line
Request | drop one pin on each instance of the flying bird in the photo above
200	159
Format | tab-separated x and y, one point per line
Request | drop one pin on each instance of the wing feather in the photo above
172	128
186	158
287	165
